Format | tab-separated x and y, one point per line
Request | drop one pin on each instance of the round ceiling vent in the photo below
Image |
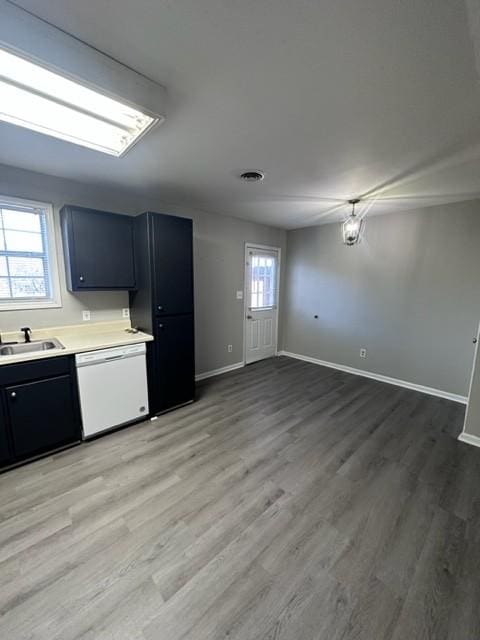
252	176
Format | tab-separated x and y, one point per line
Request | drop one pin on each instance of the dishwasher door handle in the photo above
119	357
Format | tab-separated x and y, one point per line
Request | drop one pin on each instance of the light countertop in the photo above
76	339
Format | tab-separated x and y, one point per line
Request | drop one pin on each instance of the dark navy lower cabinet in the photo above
41	415
5	454
40	408
174	357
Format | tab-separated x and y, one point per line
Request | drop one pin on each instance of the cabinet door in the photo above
42	415
4	448
101	250
174	377
172	264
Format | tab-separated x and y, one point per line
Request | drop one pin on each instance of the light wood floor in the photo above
290	502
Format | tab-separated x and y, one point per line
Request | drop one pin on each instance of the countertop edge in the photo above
67	351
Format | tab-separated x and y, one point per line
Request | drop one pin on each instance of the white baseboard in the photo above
469	439
381	378
217	372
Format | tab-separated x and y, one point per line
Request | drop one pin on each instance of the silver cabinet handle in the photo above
13	394
81	278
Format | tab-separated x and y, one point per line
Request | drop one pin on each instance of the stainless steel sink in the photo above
30	347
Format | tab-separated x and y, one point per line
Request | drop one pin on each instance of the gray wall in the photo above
408	294
218	253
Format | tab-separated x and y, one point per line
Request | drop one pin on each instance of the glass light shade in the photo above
351	230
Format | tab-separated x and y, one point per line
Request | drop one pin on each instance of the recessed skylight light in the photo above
31	96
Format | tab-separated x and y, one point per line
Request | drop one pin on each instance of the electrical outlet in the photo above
85	315
125	313
230	348
363	353
239	295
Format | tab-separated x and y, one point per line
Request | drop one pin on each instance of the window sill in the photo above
30	304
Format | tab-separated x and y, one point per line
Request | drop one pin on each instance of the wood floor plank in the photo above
430	599
289	502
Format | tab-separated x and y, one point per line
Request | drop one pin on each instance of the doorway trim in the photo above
465	436
256	245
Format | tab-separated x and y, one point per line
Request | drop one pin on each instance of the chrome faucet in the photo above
27	333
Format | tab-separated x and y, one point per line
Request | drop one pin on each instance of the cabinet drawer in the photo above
25	371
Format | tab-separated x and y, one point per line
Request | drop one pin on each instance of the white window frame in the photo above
55	300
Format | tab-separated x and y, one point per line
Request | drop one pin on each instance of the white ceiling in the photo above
332	99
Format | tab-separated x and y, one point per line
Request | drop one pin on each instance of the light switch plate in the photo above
239	295
85	315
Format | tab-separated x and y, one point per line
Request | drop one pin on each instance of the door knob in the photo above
249	317
475	340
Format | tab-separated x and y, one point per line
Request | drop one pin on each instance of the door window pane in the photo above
263	280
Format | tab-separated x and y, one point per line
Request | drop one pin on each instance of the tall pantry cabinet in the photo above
163	306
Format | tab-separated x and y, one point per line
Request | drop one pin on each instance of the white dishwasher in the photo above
113	387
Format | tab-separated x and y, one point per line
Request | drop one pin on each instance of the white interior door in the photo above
262	268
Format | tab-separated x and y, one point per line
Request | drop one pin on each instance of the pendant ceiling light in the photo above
352	227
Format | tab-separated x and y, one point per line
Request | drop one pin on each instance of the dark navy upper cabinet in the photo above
98	248
172	264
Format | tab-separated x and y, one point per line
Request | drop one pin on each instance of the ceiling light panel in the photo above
34	97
